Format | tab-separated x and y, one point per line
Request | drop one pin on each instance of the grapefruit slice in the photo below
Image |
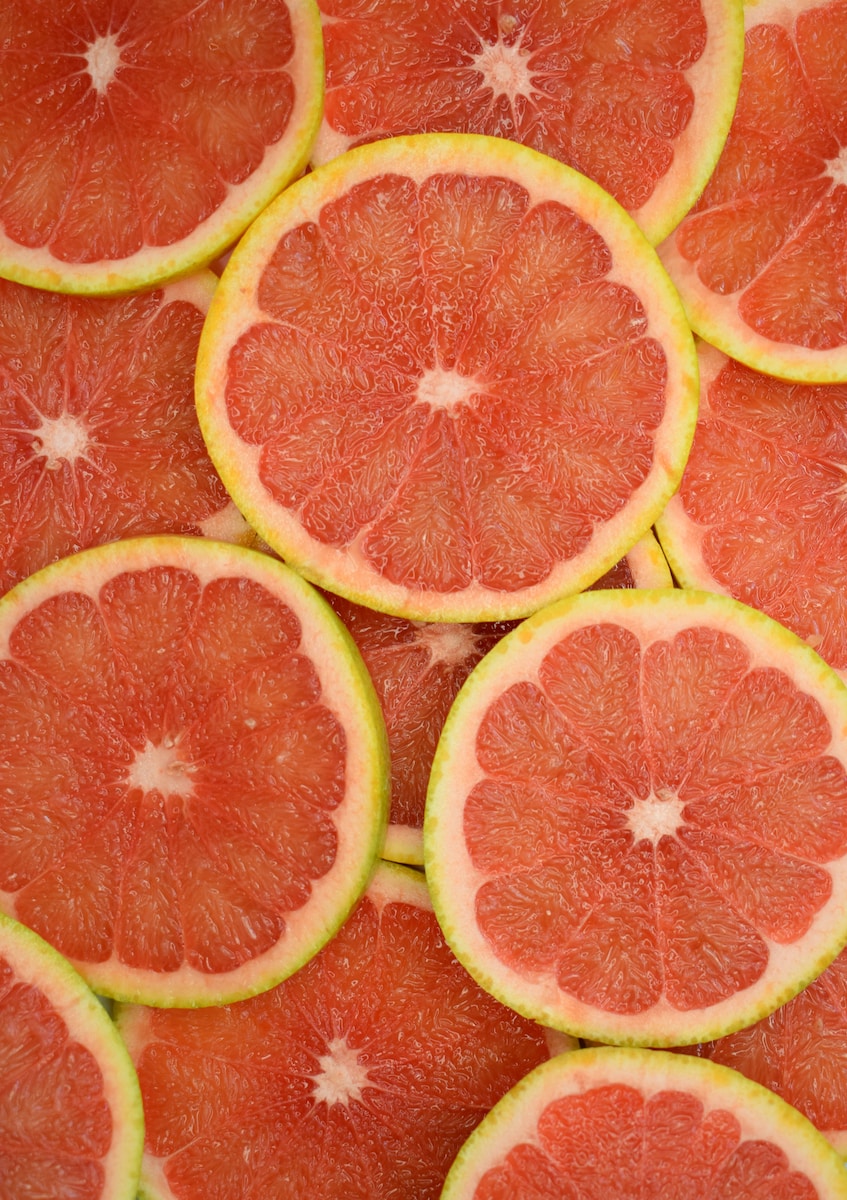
417	669
799	1052
639	96
636	825
137	141
361	1075
193	775
446	377
760	511
761	261
100	435
71	1122
623	1122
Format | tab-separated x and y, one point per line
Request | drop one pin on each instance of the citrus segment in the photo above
361	1075
639	97
71	1122
635	822
760	261
760	511
100	435
616	1122
445	376
193	787
138	142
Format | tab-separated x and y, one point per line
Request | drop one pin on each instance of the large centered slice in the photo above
760	513
138	140
636	827
71	1124
360	1076
627	1123
446	376
638	96
761	261
99	431
193	772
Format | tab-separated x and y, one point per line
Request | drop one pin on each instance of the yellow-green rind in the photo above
234	310
452	879
347	690
761	1114
36	963
648	564
147	268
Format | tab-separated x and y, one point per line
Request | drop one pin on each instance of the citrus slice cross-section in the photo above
99	431
447	377
137	141
623	1122
760	513
636	826
638	96
193	780
360	1076
71	1122
761	260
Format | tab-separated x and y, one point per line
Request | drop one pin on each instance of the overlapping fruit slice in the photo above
138	140
447	377
360	1076
193	785
637	822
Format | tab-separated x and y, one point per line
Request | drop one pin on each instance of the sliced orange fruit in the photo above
639	96
99	431
361	1075
137	141
194	770
417	668
759	514
446	377
761	261
71	1121
623	1122
636	826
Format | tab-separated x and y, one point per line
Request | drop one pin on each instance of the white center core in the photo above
837	167
657	816
160	768
445	389
505	69
447	643
341	1077
58	438
102	60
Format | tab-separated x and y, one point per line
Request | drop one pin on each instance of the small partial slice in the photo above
446	377
636	826
761	260
639	96
194	772
631	1123
360	1076
760	513
71	1122
137	141
417	669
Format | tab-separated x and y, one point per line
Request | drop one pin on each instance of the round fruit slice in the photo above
616	1122
137	141
71	1121
362	1075
639	96
417	669
760	511
100	434
446	376
636	828
761	261
194	770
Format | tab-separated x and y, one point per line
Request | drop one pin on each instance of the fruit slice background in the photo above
194	772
